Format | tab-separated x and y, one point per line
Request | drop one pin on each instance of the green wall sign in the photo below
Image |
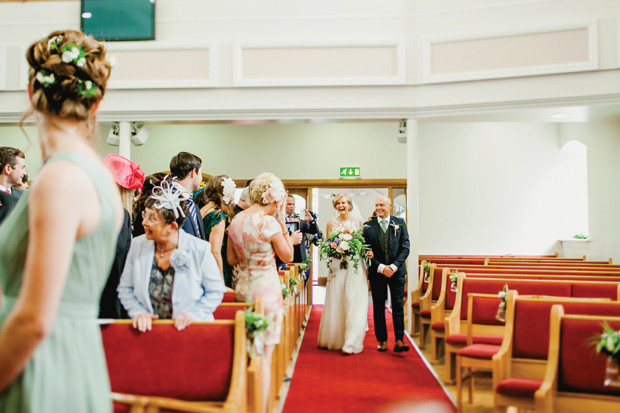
350	172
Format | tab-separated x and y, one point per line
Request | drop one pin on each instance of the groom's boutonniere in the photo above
395	226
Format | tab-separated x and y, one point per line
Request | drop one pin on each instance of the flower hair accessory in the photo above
228	186
275	193
73	54
45	78
168	196
86	88
54	42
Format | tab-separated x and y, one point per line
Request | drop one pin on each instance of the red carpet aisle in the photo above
327	381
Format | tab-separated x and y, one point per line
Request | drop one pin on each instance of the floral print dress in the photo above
257	274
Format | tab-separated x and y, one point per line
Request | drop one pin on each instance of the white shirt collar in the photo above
3	189
379	219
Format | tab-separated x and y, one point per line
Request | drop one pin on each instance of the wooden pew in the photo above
430	297
481	321
574	376
519	365
148	372
416	296
455	303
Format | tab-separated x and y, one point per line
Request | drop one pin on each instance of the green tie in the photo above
384	225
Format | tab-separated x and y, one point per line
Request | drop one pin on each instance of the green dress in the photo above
210	220
68	371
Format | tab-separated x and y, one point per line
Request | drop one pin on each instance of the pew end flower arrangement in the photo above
427	271
608	343
501	308
454	278
345	246
255	326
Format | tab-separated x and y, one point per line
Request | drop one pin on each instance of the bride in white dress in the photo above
344	321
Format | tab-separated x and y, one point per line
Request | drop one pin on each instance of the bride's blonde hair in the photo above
345	196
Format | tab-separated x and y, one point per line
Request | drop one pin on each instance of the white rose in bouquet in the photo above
346	237
344	246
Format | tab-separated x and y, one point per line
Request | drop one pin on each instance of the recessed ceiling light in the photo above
560	115
87	15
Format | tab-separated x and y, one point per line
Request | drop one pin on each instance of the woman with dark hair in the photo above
138	206
215	208
169	274
57	246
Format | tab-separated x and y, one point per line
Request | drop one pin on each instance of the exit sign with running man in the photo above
350	172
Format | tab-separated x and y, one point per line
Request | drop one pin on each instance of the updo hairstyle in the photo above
263	183
167	215
214	192
65	97
345	196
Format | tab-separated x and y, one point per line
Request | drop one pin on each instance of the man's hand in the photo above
296	237
308	215
370	254
388	271
183	320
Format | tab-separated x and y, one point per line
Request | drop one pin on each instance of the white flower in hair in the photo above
70	55
275	193
229	190
168	196
45	79
54	42
81	62
112	60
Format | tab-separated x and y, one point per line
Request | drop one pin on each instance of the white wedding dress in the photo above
345	314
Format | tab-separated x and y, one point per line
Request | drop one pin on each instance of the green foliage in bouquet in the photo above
344	245
303	267
607	343
255	325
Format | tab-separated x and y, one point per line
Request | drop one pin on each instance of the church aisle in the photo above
368	382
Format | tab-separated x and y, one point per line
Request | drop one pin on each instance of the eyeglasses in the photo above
151	219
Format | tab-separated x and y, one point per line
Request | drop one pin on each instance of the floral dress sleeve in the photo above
269	227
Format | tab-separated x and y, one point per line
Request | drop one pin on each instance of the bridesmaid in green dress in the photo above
216	210
57	246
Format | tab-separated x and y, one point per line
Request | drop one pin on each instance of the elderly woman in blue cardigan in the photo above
169	274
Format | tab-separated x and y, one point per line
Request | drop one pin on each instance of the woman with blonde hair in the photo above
256	235
344	321
215	204
57	246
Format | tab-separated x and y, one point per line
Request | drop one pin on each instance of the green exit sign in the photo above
350	172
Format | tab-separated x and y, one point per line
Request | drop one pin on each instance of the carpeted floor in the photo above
327	381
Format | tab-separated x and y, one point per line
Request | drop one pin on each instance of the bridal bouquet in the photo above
344	245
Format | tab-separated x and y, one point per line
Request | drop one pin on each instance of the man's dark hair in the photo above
183	163
8	155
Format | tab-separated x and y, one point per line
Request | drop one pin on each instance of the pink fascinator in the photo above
127	174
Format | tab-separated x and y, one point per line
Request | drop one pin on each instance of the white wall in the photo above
307	151
603	142
494	188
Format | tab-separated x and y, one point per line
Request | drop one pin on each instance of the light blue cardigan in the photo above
198	286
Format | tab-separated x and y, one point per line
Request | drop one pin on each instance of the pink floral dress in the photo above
257	274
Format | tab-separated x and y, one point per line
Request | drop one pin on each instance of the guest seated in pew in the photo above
169	273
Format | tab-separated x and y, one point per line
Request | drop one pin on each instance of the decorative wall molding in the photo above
244	51
171	76
591	62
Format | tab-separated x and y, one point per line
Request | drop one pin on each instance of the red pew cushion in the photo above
228	312
479	351
581	369
193	364
596	290
229	297
425	313
518	387
415	304
440	327
461	339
